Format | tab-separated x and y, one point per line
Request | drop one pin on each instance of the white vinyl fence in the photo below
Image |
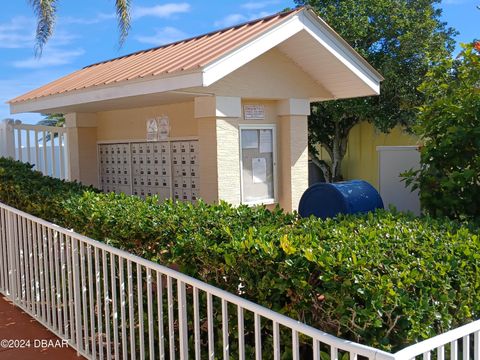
45	147
392	161
110	304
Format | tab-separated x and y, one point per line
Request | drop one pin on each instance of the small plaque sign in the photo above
254	112
163	127
152	129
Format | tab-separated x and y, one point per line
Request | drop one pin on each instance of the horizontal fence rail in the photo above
110	304
45	147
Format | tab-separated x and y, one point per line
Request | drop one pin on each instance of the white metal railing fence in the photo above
45	147
110	304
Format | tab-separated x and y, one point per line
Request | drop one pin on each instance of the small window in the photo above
258	164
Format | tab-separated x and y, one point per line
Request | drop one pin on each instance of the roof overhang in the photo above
106	94
304	37
322	41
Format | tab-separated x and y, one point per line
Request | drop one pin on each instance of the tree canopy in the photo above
449	124
401	39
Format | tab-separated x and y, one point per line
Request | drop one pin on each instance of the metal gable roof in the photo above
185	56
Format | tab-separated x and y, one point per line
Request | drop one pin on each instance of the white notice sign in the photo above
259	170
152	130
254	112
249	139
163	127
266	141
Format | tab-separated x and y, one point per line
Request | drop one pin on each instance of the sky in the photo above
86	32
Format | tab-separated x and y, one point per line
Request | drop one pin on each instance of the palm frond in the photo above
45	11
123	16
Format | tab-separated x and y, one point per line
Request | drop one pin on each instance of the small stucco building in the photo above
221	116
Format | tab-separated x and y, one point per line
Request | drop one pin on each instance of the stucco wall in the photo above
130	124
272	75
361	160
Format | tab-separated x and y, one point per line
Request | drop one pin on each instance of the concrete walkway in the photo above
37	341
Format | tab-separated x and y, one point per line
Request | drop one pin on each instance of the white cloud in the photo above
161	11
162	36
100	17
18	33
230	20
51	56
235	19
259	4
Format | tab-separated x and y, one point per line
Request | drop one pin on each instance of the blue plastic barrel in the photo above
325	200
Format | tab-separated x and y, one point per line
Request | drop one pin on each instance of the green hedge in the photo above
383	279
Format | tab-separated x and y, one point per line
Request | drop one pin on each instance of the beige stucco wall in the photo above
293	160
207	139
130	124
272	75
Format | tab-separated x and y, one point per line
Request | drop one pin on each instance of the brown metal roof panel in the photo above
217	50
136	68
179	56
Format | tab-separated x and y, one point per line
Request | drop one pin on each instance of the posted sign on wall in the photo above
254	112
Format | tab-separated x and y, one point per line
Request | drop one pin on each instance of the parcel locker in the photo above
194	183
186	195
186	183
194	195
177	194
185	171
184	147
165	146
194	171
175	148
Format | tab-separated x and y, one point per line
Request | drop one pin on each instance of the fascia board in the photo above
115	91
232	61
335	44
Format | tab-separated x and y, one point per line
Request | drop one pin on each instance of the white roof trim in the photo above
110	92
234	60
317	28
341	50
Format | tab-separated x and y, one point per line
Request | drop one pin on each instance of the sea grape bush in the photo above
383	279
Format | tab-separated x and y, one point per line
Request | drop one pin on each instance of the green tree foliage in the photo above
46	11
400	38
382	279
52	120
449	123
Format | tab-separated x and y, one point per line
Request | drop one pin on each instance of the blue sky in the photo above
86	32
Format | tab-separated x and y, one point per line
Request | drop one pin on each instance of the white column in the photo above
7	142
218	118
293	157
82	147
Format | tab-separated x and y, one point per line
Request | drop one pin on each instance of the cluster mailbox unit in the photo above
168	168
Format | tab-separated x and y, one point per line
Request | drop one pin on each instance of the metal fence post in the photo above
77	295
12	271
7	141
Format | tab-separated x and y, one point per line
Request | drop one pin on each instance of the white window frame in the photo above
272	127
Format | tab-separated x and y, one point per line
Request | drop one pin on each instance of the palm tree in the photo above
46	10
51	120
